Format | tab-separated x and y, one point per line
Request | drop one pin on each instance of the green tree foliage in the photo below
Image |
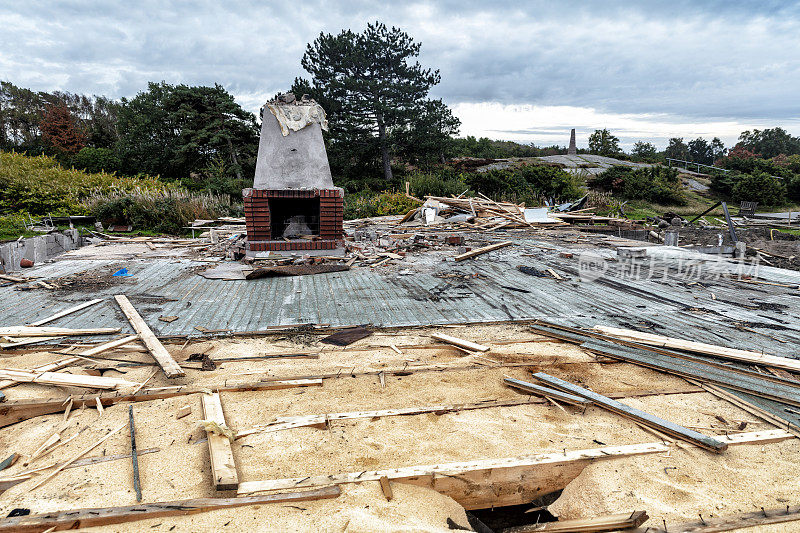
93	159
372	93
759	187
644	151
770	142
177	132
485	148
657	184
700	151
529	183
601	142
677	149
428	139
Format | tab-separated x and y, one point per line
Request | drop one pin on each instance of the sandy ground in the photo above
674	487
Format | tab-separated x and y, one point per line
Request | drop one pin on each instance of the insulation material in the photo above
292	117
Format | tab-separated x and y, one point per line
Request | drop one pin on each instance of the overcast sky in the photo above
526	71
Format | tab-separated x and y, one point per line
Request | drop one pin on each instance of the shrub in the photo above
370	204
162	211
657	184
443	182
759	187
529	183
96	160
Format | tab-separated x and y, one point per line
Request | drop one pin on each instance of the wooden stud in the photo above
461	343
485	249
66	312
613	522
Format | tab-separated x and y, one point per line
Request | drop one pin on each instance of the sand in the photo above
741	480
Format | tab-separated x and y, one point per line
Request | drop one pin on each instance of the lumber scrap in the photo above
105	516
642	417
386	488
764	517
461	343
322	420
17	411
480	251
701	347
160	354
223	465
110	345
66	312
65	380
78	456
44	331
612	522
19	342
477	484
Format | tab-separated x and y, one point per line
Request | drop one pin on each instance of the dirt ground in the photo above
674	487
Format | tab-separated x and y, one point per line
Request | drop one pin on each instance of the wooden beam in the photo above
42	331
154	346
66	312
611	522
223	465
65	380
12	412
105	516
701	347
461	343
477	484
659	424
386	487
485	249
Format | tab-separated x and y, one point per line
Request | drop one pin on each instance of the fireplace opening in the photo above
294	218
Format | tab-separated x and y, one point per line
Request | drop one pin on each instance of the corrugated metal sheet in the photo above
485	291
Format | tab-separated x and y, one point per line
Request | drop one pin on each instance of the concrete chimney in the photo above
572	150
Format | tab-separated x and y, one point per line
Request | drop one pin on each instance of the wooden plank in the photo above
659	424
105	516
110	345
66	312
701	347
779	515
62	363
154	346
477	484
223	465
25	341
485	249
322	420
65	380
612	522
12	412
461	343
42	331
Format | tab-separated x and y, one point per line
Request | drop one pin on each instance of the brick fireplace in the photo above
293	205
286	219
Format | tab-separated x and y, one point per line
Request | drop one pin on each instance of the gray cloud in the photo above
698	61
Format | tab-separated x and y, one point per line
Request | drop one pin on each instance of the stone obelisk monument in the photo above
572	150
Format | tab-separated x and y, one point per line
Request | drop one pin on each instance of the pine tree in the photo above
369	88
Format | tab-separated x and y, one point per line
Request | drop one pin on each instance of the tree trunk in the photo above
384	143
235	163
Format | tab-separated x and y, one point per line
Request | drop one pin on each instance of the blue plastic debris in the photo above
122	273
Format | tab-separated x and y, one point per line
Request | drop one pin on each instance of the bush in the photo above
163	211
444	182
370	204
96	160
656	184
759	187
531	184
